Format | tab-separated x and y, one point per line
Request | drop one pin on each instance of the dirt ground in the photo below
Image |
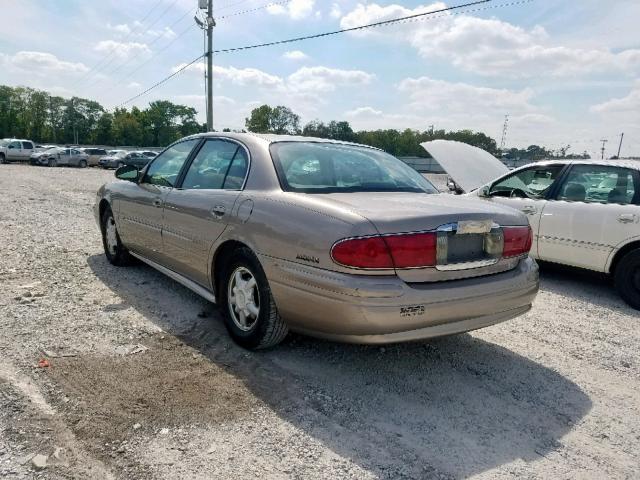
112	372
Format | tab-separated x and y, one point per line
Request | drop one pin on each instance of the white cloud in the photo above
490	47
336	11
629	104
40	63
122	29
325	79
429	94
295	55
295	9
237	76
122	50
363	112
134	85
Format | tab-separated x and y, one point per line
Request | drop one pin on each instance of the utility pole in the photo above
604	141
504	132
210	24
53	123
620	144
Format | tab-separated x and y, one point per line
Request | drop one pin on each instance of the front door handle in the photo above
528	210
218	211
627	218
157	202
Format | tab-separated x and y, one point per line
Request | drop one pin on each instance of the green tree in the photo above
266	119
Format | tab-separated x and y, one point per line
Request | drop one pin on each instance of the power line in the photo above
115	48
251	10
164	80
371	25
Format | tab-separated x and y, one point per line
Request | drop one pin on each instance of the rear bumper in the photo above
384	309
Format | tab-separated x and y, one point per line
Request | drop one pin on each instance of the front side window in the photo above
166	167
532	182
220	164
15	145
314	167
598	184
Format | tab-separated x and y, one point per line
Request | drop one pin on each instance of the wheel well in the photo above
222	255
104	204
622	252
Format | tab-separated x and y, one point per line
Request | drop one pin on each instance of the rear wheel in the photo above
52	162
2	159
115	251
83	164
250	312
627	278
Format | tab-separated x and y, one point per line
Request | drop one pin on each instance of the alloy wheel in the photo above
111	235
243	299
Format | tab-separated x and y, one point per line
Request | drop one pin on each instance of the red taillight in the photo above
369	252
517	241
399	251
413	250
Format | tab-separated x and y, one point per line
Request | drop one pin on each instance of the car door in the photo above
63	156
140	207
196	214
594	210
27	150
14	151
526	190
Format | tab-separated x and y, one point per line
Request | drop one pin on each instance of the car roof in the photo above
633	164
270	138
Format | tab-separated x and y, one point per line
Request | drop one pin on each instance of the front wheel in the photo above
250	312
52	162
83	164
627	278
2	158
114	250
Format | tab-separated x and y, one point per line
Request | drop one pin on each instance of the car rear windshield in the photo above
318	167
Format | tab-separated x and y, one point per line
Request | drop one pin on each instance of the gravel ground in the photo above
123	373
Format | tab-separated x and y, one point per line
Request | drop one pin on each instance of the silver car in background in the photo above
60	156
325	238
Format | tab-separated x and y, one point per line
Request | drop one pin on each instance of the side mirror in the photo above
484	191
128	173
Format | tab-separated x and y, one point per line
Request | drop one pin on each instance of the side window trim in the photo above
197	149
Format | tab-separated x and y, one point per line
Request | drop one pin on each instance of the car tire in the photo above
262	329
52	162
2	159
627	278
82	164
120	164
116	253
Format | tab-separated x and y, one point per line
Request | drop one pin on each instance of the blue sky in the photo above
565	71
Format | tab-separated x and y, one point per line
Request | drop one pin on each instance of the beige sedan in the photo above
325	238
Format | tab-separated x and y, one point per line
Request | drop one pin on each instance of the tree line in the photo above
44	118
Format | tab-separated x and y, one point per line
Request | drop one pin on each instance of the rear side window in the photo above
27	145
599	184
219	164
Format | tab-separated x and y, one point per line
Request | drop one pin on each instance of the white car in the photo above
583	213
15	150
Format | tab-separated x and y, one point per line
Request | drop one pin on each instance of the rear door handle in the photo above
157	202
218	211
627	218
529	210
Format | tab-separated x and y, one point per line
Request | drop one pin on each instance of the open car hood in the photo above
470	167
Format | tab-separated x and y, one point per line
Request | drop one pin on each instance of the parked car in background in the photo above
149	153
59	156
95	154
122	158
321	237
15	150
584	213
